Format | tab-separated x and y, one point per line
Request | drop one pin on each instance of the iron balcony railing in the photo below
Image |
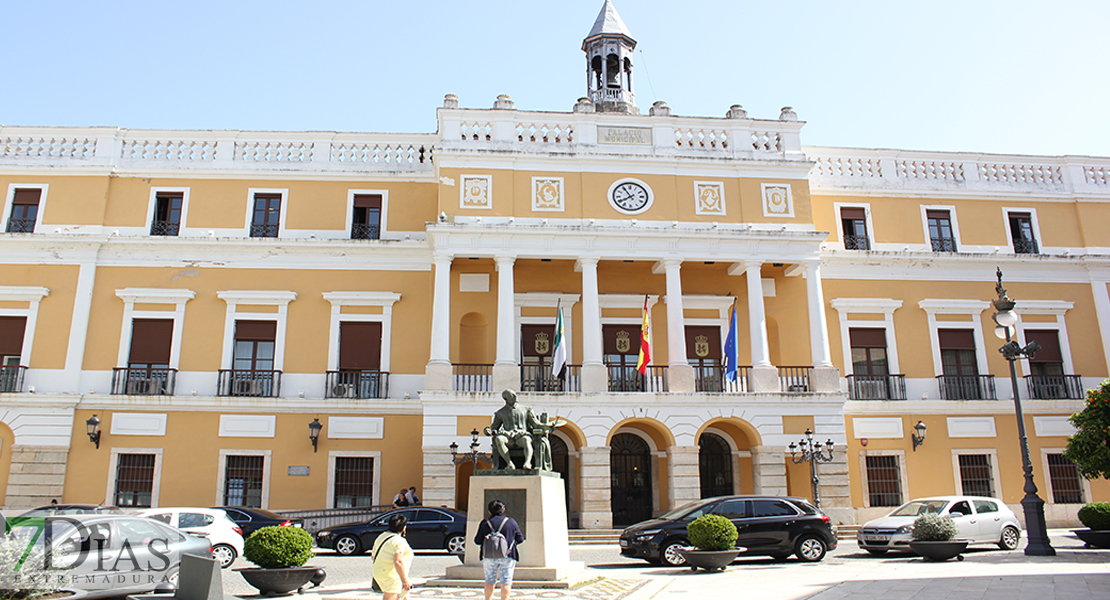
538	378
269	230
11	378
143	382
1025	246
165	228
364	231
21	225
795	379
1054	387
473	378
357	384
317	519
856	242
243	382
966	387
628	379
877	387
944	245
713	379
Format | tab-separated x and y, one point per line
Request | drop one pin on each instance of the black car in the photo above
428	529
253	519
767	525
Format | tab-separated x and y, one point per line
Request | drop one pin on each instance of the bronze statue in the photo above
517	426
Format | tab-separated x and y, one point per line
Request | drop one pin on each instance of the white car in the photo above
981	520
226	537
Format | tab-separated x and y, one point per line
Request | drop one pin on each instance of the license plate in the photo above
624	543
876	538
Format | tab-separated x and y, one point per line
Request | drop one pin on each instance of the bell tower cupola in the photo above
608	50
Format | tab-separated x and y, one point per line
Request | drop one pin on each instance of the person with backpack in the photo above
497	540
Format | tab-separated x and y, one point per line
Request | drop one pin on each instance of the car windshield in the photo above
920	507
692	510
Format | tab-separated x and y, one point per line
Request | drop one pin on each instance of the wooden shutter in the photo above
697	338
867	337
27	197
150	341
956	339
360	346
853	213
1050	345
11	335
368	201
256	330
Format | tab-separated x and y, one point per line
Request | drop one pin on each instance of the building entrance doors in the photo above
630	468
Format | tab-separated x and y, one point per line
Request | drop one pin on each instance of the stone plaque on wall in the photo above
516	506
624	135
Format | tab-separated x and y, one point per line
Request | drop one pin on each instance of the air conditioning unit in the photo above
139	386
246	387
344	390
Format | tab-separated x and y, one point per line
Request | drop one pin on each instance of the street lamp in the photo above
918	435
314	429
1035	526
93	426
473	456
813	453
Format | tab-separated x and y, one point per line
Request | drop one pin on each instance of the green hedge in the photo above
1095	515
711	532
278	547
934	528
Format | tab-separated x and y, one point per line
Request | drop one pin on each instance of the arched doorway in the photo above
715	466
560	463
630	471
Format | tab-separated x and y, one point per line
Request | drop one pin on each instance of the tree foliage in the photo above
1089	448
278	547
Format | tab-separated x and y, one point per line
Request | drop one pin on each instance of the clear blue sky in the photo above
1011	76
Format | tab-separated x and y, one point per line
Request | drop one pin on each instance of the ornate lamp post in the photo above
813	453
473	456
1035	527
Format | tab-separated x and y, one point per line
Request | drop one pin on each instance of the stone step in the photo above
579	537
846	532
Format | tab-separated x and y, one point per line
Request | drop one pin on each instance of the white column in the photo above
594	376
681	375
826	377
506	373
757	319
1102	313
79	329
437	375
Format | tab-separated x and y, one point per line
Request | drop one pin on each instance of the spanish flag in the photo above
645	341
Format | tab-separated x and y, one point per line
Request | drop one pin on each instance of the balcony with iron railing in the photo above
944	245
628	379
365	231
877	387
715	379
1025	246
472	378
143	382
165	228
857	242
795	379
539	378
11	378
967	387
1054	387
249	383
265	230
357	384
21	225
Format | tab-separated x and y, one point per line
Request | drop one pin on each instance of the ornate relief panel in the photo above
709	198
476	191
547	194
777	201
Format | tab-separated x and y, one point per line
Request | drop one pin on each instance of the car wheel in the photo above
669	553
1010	537
173	577
348	545
456	544
876	552
225	554
810	549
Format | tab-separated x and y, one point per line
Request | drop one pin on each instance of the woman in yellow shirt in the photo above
392	557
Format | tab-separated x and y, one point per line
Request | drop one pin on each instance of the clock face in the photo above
630	196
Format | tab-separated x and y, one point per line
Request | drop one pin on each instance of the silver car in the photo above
103	555
981	520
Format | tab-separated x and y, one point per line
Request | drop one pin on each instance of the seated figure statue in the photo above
516	426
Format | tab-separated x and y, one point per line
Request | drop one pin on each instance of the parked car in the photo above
72	509
428	529
253	519
767	525
105	555
213	523
981	520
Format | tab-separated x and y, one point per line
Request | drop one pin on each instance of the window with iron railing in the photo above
354	481
367	216
134	480
243	477
1067	486
1021	230
940	231
884	480
853	222
976	476
25	210
167	214
267	215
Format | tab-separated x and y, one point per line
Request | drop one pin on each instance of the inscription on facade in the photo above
624	135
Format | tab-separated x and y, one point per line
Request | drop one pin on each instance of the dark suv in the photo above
767	525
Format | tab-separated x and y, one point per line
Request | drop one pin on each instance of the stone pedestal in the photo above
825	379
764	379
596	488
595	378
439	376
681	379
684	473
535	500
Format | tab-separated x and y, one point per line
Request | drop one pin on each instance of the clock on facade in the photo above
630	196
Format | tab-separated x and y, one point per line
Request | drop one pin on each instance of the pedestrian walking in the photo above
392	558
497	540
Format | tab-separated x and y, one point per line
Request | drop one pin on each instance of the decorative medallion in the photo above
543	343
475	191
701	346
624	342
547	194
630	196
709	198
777	201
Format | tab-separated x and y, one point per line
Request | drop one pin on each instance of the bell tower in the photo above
608	49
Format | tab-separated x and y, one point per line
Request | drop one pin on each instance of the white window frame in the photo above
991	453
132	296
8	206
376	455
221	474
233	298
903	479
953	306
545	300
1010	234
1049	495
837	206
338	300
113	464
33	297
384	217
283	218
152	207
925	208
1044	307
884	306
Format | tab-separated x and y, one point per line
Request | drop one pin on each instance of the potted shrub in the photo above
280	553
933	538
714	537
1096	516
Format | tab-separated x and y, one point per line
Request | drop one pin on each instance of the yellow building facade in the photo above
209	294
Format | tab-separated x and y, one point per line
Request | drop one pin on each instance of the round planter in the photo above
1094	538
710	560
281	581
939	551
